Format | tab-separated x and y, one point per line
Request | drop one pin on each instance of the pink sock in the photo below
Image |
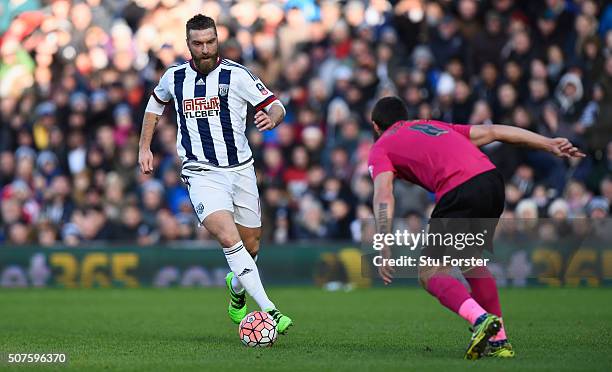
470	310
484	289
453	295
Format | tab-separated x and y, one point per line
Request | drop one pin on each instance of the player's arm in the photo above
483	134
384	205
270	117
152	114
269	111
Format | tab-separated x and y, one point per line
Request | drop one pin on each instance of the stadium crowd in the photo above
75	76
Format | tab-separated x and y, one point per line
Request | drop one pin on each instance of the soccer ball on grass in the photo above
257	329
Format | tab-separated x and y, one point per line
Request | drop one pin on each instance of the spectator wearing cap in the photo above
598	207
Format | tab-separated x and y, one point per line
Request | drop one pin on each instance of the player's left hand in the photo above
563	148
263	121
386	271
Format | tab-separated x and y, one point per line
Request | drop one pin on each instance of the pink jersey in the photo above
435	155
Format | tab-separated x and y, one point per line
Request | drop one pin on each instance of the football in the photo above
257	329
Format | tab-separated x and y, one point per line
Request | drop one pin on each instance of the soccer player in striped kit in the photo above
210	97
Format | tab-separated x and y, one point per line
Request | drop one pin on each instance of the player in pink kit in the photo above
445	159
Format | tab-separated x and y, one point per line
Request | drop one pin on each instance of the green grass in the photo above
385	328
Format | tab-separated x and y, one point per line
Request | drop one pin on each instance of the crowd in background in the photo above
75	76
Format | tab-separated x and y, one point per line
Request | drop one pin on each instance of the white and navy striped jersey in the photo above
211	113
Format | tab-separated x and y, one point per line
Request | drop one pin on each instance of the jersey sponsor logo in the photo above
201	107
262	89
429	130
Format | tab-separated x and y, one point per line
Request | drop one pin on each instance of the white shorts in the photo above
234	191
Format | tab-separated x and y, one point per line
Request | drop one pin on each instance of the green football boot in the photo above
283	322
483	330
237	308
500	349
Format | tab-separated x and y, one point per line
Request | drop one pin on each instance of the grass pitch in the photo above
376	329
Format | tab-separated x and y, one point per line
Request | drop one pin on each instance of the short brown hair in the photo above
200	22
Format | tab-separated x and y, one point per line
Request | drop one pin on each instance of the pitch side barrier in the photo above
535	252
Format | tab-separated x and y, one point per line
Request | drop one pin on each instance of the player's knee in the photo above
227	240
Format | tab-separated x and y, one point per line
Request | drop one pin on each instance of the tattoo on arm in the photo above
383	219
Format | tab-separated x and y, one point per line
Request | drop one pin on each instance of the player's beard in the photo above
206	64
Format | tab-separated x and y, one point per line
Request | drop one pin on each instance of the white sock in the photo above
245	270
236	285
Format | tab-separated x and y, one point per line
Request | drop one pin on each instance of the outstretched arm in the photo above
384	204
483	134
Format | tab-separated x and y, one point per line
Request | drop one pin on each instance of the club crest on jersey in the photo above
223	89
262	89
201	107
200	208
